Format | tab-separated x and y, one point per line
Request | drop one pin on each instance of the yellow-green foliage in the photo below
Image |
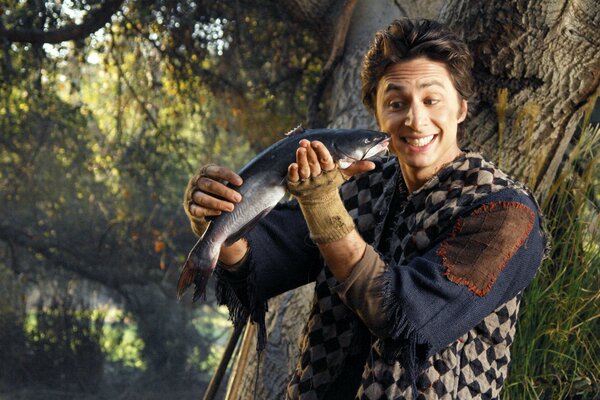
555	355
501	106
529	112
114	331
214	325
120	341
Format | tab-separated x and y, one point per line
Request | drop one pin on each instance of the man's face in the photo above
418	106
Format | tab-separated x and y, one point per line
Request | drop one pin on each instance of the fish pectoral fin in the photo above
234	237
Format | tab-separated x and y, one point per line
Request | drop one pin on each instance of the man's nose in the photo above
416	117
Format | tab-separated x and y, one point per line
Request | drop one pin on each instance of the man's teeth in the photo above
419	142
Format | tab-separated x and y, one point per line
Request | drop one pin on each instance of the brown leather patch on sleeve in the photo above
482	243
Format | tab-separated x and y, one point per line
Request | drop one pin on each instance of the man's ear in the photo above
464	109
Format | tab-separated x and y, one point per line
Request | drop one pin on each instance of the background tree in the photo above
99	135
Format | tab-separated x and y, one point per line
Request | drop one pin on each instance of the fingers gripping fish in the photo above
263	187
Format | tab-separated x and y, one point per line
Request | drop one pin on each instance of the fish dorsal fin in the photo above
296	130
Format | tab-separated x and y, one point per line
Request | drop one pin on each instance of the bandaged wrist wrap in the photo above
323	209
199	224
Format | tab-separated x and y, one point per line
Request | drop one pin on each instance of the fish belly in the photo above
246	214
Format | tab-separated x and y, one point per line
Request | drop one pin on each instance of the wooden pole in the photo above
215	382
237	373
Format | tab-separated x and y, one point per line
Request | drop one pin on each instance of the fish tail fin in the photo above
186	278
197	269
201	281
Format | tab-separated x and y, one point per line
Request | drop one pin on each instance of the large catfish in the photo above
263	187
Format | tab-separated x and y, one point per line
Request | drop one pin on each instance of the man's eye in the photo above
431	102
396	104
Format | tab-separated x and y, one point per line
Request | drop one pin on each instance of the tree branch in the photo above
93	21
312	12
337	52
53	253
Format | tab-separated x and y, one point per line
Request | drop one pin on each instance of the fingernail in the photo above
237	197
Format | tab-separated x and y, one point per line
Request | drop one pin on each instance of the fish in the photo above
264	185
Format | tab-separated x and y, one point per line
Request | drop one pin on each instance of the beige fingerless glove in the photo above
199	224
322	206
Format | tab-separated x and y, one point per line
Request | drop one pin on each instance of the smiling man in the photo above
419	259
417	104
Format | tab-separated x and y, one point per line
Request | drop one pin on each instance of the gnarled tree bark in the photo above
537	68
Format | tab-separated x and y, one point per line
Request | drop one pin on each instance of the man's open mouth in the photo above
419	142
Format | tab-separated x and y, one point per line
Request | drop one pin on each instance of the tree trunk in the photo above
165	328
285	321
537	69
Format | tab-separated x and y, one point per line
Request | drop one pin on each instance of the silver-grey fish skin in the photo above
264	185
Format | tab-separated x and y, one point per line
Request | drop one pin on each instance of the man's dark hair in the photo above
407	39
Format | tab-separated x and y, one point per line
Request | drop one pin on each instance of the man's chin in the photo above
418	161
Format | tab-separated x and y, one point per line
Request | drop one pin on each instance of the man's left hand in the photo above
314	180
312	158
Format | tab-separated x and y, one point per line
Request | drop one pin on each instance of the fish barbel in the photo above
264	185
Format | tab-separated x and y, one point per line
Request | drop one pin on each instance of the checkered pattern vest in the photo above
475	365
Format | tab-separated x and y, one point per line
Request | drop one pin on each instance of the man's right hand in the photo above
207	195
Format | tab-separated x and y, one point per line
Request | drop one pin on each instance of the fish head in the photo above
356	145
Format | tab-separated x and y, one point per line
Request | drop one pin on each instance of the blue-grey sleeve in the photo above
491	255
281	257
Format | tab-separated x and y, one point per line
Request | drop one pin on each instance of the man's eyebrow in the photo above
401	88
392	86
431	83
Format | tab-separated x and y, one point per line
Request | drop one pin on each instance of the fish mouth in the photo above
375	149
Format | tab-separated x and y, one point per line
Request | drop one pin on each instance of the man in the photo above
418	283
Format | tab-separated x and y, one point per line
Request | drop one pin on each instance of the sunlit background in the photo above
98	138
